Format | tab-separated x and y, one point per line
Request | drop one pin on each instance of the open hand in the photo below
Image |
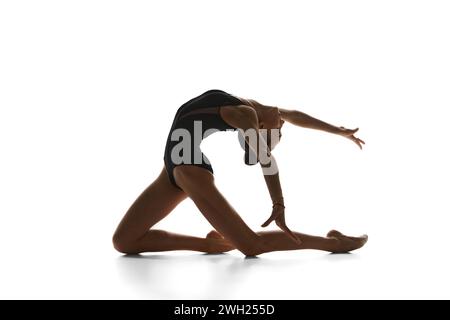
278	217
350	134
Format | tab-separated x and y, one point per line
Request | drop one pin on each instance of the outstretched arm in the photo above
301	119
304	120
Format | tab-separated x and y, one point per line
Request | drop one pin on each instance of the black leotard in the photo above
202	110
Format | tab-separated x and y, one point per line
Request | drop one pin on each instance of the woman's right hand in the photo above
278	216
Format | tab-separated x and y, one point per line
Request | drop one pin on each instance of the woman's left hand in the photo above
350	134
278	217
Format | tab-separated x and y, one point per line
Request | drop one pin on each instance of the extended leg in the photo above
199	185
334	242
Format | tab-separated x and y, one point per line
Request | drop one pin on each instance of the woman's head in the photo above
269	118
270	123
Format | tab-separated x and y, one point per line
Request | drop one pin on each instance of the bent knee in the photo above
133	245
123	245
252	250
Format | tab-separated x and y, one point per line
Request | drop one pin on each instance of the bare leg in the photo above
199	185
334	242
160	240
278	241
156	202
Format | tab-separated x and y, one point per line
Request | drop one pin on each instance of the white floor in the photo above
369	273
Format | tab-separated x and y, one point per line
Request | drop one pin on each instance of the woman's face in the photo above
270	118
271	123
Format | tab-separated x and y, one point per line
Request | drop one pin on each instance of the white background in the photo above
88	90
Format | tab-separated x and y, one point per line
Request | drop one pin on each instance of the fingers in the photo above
358	141
265	224
291	234
269	221
281	223
288	231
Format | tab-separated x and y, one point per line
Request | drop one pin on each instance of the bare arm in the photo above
304	120
274	187
301	119
296	117
245	118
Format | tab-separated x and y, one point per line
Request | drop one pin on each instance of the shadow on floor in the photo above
219	276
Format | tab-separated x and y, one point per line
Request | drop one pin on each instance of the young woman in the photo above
188	173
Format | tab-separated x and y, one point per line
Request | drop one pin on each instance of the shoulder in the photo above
238	111
250	102
257	106
240	116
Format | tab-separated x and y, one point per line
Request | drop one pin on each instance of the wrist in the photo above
336	130
278	202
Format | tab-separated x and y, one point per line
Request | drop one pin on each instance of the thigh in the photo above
155	203
198	184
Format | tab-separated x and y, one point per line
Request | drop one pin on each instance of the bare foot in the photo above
346	243
218	244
